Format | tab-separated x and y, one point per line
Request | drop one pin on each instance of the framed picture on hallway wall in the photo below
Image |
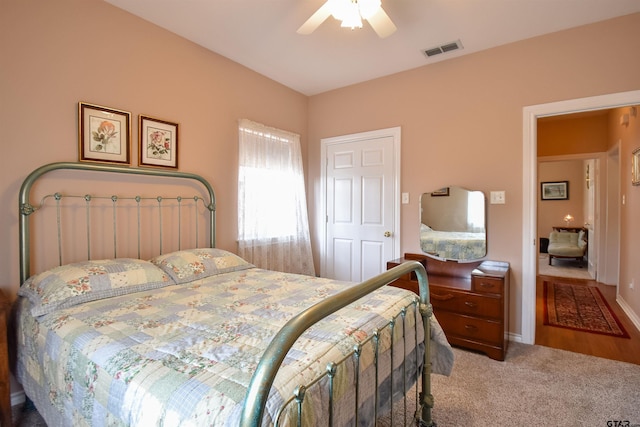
635	167
103	134
558	190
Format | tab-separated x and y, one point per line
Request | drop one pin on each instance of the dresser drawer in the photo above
473	328
466	303
490	285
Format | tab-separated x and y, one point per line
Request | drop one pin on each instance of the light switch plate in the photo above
497	198
405	198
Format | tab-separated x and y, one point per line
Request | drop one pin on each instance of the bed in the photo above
456	245
196	335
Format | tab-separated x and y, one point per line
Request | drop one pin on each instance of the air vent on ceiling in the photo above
448	47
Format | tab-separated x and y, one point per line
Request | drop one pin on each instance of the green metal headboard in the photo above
26	208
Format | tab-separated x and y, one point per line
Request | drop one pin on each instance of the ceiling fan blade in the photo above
382	24
315	20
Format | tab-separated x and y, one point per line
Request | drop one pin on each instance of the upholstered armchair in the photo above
563	244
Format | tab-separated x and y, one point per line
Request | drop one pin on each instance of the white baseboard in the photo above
515	337
635	319
17	398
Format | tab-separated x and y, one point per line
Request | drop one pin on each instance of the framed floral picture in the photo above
104	134
158	143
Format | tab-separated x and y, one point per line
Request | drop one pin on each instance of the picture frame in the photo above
441	192
104	134
635	167
158	142
557	190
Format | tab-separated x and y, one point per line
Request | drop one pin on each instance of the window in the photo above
273	226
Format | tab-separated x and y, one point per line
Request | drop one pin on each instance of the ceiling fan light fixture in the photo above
352	18
368	8
339	8
351	13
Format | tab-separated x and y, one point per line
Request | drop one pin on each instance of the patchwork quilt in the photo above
183	354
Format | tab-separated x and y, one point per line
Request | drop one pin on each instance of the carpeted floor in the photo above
26	416
537	386
534	386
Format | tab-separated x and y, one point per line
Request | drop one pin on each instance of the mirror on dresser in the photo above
453	224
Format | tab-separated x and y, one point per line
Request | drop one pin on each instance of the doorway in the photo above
529	187
580	211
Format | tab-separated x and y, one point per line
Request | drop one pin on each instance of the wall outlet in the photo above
631	285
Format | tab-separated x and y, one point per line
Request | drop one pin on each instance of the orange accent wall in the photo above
582	134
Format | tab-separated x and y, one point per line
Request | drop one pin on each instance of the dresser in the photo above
5	382
470	301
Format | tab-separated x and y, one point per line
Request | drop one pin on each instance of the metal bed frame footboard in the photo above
273	357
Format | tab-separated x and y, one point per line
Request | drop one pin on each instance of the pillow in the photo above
188	265
72	284
582	241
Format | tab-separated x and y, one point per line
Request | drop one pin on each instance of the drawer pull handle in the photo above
444	297
471	328
470	304
486	284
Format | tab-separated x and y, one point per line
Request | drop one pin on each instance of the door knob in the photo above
387	234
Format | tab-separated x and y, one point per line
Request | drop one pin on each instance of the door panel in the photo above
374	253
372	197
343	253
343	201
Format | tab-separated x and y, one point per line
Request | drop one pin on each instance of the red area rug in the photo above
580	307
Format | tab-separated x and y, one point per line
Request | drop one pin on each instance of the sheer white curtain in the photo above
273	224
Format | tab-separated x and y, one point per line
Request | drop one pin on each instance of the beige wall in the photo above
462	124
57	53
461	119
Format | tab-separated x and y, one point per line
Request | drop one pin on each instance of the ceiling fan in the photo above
351	13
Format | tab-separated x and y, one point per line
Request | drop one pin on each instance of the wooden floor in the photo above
624	349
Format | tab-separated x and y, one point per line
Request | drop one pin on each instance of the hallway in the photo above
623	349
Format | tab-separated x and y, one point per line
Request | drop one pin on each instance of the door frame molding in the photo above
611	275
395	134
530	115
